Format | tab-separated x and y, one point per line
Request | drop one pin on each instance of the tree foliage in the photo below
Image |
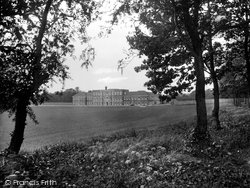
236	67
234	80
175	49
35	38
26	65
177	38
62	96
168	60
165	63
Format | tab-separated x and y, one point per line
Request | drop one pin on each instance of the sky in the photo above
103	72
108	51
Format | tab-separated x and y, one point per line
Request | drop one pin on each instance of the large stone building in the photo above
115	97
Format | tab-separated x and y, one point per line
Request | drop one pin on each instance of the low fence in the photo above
208	101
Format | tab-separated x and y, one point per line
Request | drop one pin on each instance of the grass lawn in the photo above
163	157
70	123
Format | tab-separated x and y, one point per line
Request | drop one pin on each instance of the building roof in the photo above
150	93
80	94
138	93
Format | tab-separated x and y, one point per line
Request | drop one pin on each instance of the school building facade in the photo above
115	97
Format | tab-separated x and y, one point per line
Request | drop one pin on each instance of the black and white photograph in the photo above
124	93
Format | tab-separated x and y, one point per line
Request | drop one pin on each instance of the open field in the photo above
69	123
163	157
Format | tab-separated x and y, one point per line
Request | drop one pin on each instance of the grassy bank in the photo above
162	157
69	123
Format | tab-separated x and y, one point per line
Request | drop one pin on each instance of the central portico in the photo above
107	101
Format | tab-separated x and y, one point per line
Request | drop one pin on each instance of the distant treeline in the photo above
229	93
62	96
191	96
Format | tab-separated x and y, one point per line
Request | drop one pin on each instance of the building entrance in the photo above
107	101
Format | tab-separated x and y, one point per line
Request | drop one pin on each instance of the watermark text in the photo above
30	182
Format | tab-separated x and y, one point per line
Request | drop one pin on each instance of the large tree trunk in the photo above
23	101
191	23
200	132
215	113
20	122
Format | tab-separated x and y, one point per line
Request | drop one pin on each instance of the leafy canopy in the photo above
35	37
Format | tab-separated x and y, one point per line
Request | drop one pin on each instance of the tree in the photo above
235	85
62	96
209	60
196	23
183	36
235	31
35	37
164	66
213	60
235	72
187	22
224	18
210	23
241	34
164	98
233	82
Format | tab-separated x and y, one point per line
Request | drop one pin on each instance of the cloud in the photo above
105	71
109	80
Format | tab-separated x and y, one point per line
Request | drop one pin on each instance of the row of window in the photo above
136	98
125	98
103	99
112	103
102	104
108	93
98	100
79	98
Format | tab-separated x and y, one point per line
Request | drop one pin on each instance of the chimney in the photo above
106	87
